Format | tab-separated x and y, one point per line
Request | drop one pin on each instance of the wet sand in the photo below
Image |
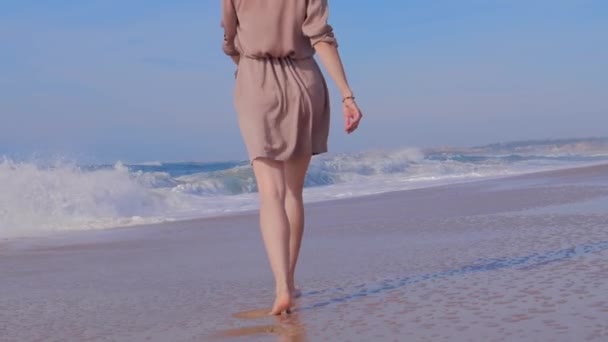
515	259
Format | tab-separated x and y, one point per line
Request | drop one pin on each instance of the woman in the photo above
282	103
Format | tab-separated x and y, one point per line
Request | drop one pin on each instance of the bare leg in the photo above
295	172
274	225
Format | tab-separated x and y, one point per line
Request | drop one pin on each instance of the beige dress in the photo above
280	94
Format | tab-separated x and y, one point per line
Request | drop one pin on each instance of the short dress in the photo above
280	95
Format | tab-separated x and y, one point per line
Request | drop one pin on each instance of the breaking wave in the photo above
38	198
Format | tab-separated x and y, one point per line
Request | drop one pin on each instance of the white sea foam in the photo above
38	198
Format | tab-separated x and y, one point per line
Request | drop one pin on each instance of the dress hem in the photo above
274	158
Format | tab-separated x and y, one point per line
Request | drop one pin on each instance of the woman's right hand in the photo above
352	115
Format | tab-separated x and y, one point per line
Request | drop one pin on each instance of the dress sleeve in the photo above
315	25
229	24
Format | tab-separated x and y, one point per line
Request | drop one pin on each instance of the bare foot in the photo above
295	292
282	303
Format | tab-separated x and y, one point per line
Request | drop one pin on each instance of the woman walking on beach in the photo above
282	103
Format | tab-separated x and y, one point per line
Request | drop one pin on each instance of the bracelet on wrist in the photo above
351	97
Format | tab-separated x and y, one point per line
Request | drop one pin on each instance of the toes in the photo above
280	309
279	312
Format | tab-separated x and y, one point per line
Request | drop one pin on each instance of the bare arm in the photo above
321	36
330	58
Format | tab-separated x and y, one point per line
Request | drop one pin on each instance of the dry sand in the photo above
516	259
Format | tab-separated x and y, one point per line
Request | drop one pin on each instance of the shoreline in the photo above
595	168
523	257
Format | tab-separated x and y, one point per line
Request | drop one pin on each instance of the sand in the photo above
515	259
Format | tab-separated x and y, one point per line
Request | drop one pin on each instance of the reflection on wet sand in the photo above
486	261
521	262
287	328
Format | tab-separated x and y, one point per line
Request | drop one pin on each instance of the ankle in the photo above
282	289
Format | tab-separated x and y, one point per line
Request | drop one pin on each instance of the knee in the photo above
293	196
271	194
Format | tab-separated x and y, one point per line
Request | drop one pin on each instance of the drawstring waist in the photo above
289	61
268	57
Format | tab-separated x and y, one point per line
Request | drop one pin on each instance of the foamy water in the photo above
40	198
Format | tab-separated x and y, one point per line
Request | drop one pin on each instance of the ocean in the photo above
40	198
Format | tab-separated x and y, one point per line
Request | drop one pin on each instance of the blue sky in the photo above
146	80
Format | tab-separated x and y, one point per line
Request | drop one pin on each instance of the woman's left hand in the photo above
352	115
